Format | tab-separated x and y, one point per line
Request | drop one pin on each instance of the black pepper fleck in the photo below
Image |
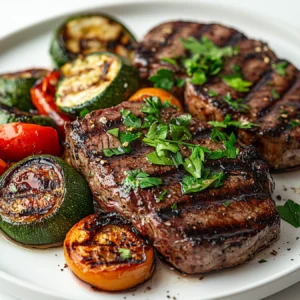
288	249
278	197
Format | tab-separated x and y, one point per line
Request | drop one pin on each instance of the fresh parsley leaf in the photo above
169	60
227	122
294	123
206	47
163	79
130	120
137	179
183	120
194	164
114	132
83	112
218	136
179	133
153	105
226	203
180	82
124	253
159	160
116	151
174	206
161	196
128	137
191	184
198	78
177	159
157	131
237	104
274	94
212	93
236	82
280	67
290	212
262	261
230	151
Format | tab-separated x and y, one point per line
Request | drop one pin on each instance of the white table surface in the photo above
16	14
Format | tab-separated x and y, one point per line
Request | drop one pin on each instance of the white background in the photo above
15	14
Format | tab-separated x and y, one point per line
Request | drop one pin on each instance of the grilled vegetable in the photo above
10	115
106	252
3	166
156	92
43	98
88	34
19	140
41	198
15	88
96	81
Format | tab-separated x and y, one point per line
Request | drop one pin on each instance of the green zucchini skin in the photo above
10	115
123	85
48	229
15	88
61	54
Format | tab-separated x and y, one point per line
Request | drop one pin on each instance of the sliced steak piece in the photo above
197	233
270	94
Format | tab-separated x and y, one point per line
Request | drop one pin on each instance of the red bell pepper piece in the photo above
43	98
19	140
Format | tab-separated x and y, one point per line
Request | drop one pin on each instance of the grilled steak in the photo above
199	232
273	99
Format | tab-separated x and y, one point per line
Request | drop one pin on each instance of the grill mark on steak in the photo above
195	236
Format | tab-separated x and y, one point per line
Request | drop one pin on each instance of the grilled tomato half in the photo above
106	252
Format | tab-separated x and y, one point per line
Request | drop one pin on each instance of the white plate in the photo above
40	274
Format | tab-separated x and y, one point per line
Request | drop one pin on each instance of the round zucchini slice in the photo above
98	80
41	198
15	88
106	252
11	115
86	34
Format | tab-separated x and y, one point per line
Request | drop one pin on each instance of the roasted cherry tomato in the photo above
107	253
43	98
3	166
19	140
163	95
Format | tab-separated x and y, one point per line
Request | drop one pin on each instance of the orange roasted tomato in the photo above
105	252
155	92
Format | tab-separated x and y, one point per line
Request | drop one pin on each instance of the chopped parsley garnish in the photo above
174	206
128	137
294	123
193	185
262	261
117	151
218	136
153	106
169	60
130	120
290	212
194	164
226	203
212	93
137	179
13	188
124	253
114	132
161	196
206	59
274	94
83	112
227	122
165	79
280	67
237	104
236	81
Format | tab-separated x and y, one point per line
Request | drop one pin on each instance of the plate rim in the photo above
271	21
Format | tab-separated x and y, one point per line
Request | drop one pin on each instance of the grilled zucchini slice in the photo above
91	33
41	198
98	80
11	115
15	88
